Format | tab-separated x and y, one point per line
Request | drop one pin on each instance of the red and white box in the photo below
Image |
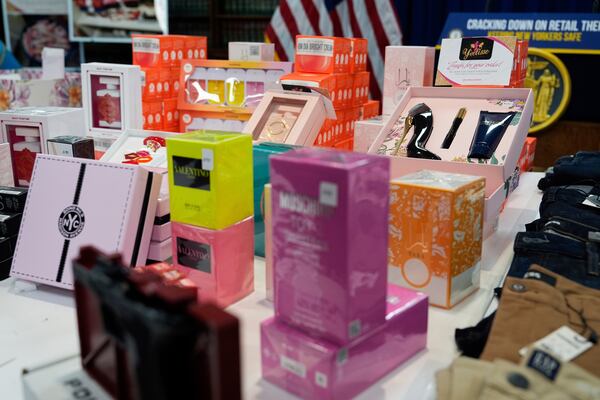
322	54
361	88
74	202
338	86
151	50
219	262
28	129
358	54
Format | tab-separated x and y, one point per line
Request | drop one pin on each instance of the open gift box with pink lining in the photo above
486	110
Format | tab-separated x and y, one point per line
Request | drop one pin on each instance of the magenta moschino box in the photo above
317	369
330	229
219	262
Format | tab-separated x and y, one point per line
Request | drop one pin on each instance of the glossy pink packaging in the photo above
329	226
317	369
219	262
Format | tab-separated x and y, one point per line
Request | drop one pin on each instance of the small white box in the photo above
251	51
112	99
28	129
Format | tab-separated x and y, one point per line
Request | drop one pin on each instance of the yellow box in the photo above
210	178
435	239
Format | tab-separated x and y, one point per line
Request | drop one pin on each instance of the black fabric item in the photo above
471	341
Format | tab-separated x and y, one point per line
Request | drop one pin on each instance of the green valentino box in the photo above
210	178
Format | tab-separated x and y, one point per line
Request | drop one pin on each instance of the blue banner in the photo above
566	33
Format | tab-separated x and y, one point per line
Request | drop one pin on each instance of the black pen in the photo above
455	124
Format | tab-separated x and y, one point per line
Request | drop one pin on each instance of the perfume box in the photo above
405	66
322	54
12	199
139	147
27	129
6	169
75	202
490	61
9	223
366	131
436	234
71	146
219	85
359	51
160	251
161	232
261	153
445	103
210	178
163	208
330	212
228	121
289	117
312	368
251	51
267	216
219	262
170	115
337	86
112	98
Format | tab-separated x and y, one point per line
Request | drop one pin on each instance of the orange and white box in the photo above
436	234
174	81
361	88
359	50
151	50
338	86
152	115
322	54
163	88
150	79
325	134
169	117
200	46
369	110
178	52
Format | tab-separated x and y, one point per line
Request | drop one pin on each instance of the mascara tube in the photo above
455	125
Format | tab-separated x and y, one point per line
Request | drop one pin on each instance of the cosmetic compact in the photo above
288	117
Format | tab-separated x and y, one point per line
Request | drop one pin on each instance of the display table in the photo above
40	326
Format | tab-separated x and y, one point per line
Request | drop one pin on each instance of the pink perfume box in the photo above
219	262
289	117
160	251
317	369
366	131
329	222
405	66
445	103
76	202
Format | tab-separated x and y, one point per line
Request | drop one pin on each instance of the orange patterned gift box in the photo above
435	234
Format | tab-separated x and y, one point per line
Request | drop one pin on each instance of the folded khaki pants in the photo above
533	307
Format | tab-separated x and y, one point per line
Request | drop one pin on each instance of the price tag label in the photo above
207	159
564	343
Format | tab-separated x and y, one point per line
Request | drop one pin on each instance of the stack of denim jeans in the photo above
554	278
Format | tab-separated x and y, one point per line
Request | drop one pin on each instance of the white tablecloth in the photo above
40	326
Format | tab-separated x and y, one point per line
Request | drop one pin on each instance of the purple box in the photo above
330	231
317	369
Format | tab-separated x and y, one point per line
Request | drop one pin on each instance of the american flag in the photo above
375	20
